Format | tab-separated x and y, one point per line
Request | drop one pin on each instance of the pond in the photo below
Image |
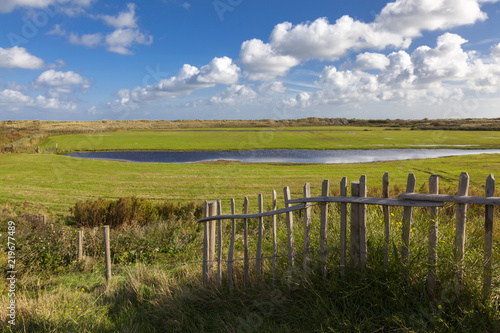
281	155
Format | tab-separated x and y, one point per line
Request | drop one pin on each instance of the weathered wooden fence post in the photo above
488	237
355	259
463	188
387	219
323	231
307	229
107	252
289	225
209	240
433	238
343	227
359	249
275	242
246	263
219	244
230	256
80	245
407	214
363	246
260	235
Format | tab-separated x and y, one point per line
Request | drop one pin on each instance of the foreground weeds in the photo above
156	284
145	299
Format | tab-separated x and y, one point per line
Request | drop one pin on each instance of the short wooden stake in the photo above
488	238
80	245
463	189
323	231
433	239
107	252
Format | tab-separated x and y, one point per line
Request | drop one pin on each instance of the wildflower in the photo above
432	220
83	289
439	306
392	214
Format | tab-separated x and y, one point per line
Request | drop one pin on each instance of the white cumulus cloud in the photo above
262	62
68	6
233	94
61	82
124	19
19	57
370	60
188	79
325	41
411	17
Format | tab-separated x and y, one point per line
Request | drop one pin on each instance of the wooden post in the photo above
275	243
387	219
206	244
355	259
107	252
307	229
323	230
230	256
44	219
343	227
433	239
258	255
289	225
80	245
212	206
246	276
209	240
407	214
488	237
463	189
363	247
219	245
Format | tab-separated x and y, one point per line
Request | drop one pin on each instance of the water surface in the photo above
282	155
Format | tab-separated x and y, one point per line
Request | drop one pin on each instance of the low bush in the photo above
126	210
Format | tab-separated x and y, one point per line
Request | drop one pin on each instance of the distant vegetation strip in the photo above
25	136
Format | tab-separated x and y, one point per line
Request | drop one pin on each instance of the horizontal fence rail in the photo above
358	225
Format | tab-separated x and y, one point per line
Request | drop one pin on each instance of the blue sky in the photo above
241	59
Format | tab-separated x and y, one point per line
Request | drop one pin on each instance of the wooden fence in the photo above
358	232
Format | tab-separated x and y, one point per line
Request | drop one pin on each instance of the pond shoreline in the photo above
302	156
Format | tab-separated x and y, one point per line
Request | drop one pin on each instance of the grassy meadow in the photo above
332	137
156	273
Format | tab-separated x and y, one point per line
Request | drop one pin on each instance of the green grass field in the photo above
156	270
53	183
339	137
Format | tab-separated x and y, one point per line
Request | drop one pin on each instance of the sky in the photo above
242	59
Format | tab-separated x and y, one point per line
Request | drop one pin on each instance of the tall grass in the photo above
158	287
